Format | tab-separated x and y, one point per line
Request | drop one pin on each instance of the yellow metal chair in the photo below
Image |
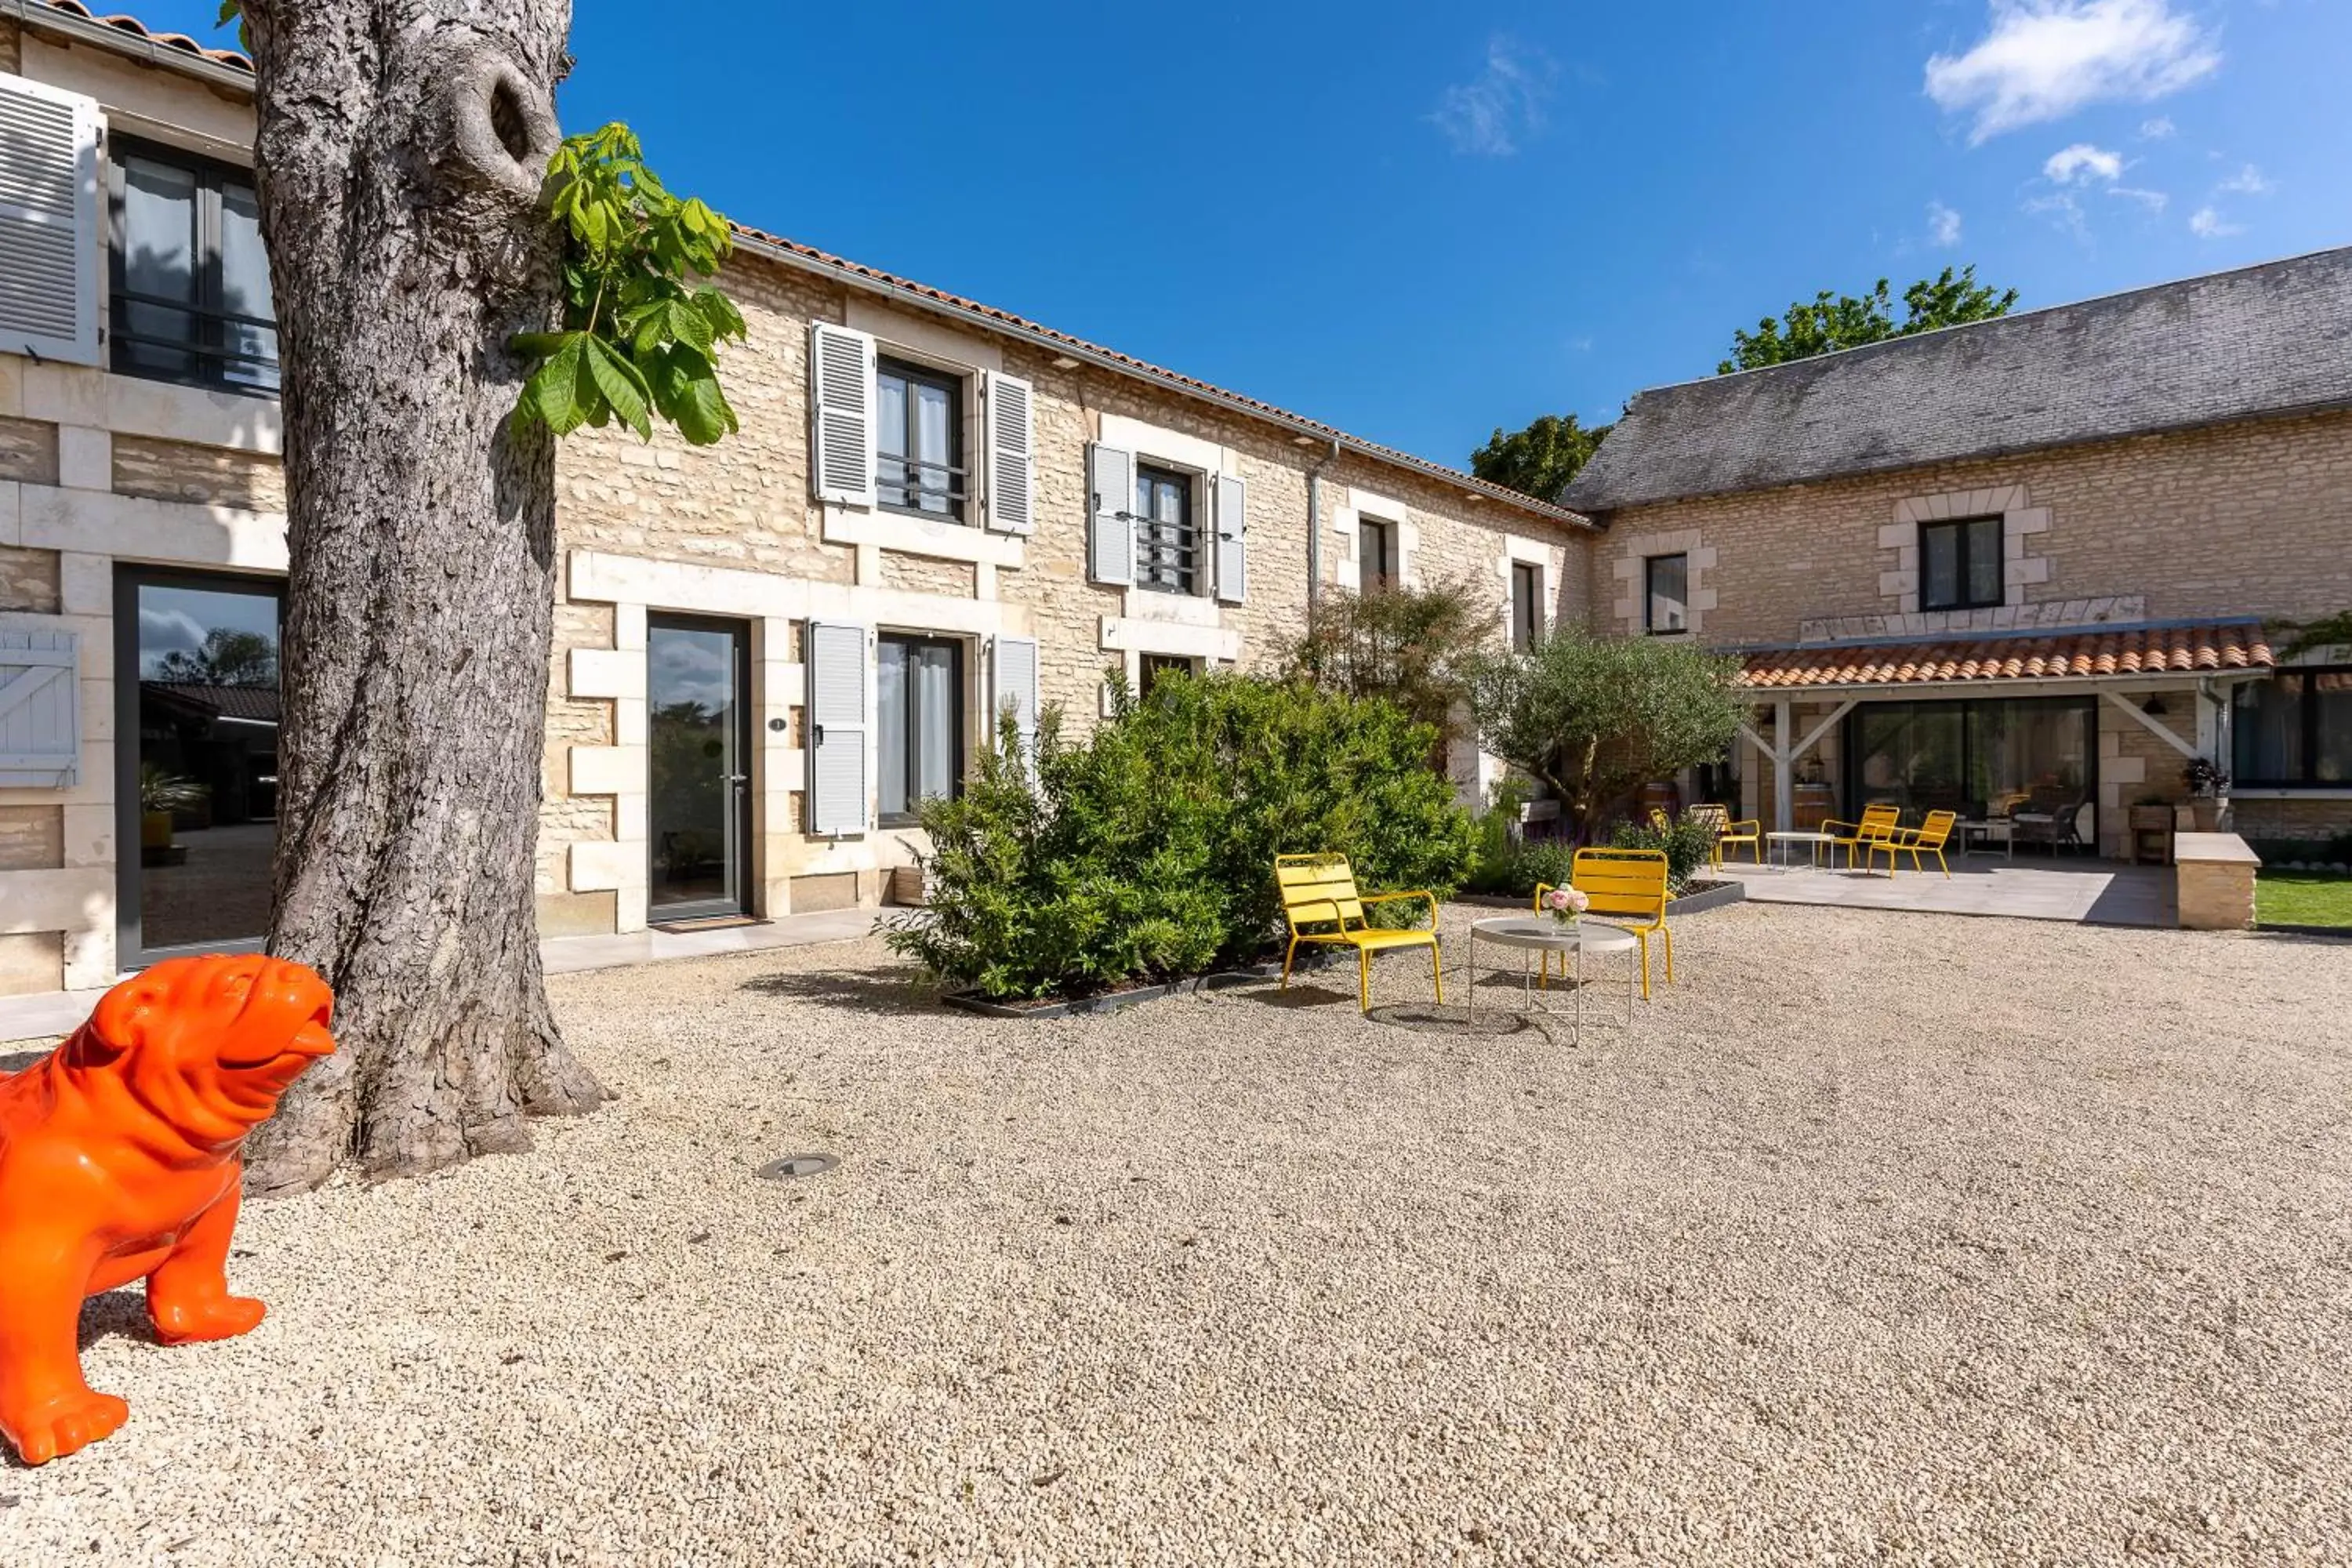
1750	832
1629	885
1928	838
1319	890
1877	823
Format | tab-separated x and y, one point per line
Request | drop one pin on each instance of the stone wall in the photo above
2232	520
205	476
745	507
28	580
11	55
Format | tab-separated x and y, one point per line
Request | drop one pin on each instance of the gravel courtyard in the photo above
1879	1238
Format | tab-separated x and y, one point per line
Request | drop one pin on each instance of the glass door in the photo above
699	730
196	762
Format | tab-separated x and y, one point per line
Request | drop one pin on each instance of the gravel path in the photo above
1880	1238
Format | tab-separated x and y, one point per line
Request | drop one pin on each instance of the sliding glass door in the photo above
1978	758
196	762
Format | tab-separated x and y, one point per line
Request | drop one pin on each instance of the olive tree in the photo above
1597	717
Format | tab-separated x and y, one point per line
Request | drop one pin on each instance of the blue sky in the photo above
1419	222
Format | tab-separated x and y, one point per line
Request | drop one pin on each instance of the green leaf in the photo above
726	321
552	393
620	386
687	326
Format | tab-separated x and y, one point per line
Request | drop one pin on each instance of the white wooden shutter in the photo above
49	222
1233	553
1015	672
40	709
841	413
1110	521
1011	453
839	676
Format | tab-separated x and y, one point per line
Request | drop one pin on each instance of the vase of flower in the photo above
1565	904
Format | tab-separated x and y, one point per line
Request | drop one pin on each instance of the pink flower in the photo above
1565	902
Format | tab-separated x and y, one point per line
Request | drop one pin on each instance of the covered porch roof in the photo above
2014	663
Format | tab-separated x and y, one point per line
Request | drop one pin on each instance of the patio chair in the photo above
1321	904
1629	884
1855	837
1928	838
1751	832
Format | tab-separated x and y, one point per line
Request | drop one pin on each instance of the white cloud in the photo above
2082	163
2063	210
2043	60
2247	182
1491	115
1943	225
2157	129
2207	224
2154	201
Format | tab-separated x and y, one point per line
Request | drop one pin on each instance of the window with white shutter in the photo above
838	680
1014	669
1012	454
49	222
841	413
1110	532
1232	561
40	709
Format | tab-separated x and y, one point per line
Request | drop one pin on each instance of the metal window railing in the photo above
916	488
207	340
1167	554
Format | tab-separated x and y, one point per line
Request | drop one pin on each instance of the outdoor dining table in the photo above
1541	934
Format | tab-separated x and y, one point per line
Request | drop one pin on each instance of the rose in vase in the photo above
1564	904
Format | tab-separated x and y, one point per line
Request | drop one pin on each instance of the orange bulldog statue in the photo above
120	1160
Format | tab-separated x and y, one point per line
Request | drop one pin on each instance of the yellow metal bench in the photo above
1630	885
1321	904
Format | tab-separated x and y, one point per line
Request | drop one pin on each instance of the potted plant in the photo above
2209	786
160	796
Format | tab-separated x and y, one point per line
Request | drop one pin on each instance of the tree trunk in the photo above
401	148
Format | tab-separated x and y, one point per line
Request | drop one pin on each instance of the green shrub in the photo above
1516	866
1689	845
1147	851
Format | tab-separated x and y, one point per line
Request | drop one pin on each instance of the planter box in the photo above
1697	898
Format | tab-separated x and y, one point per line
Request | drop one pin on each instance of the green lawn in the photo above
2303	898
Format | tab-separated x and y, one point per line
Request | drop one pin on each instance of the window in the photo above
1156	665
1960	564
1376	555
1667	589
190	279
1167	546
918	439
918	715
1526	605
2293	730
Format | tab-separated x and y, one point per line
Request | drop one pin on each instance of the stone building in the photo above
2030	564
767	653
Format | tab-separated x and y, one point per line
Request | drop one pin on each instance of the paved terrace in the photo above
2086	892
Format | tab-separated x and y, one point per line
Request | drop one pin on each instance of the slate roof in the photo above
2262	340
2197	648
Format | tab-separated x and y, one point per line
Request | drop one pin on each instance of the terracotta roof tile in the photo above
138	29
2187	649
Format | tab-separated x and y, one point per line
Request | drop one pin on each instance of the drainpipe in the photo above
1315	529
